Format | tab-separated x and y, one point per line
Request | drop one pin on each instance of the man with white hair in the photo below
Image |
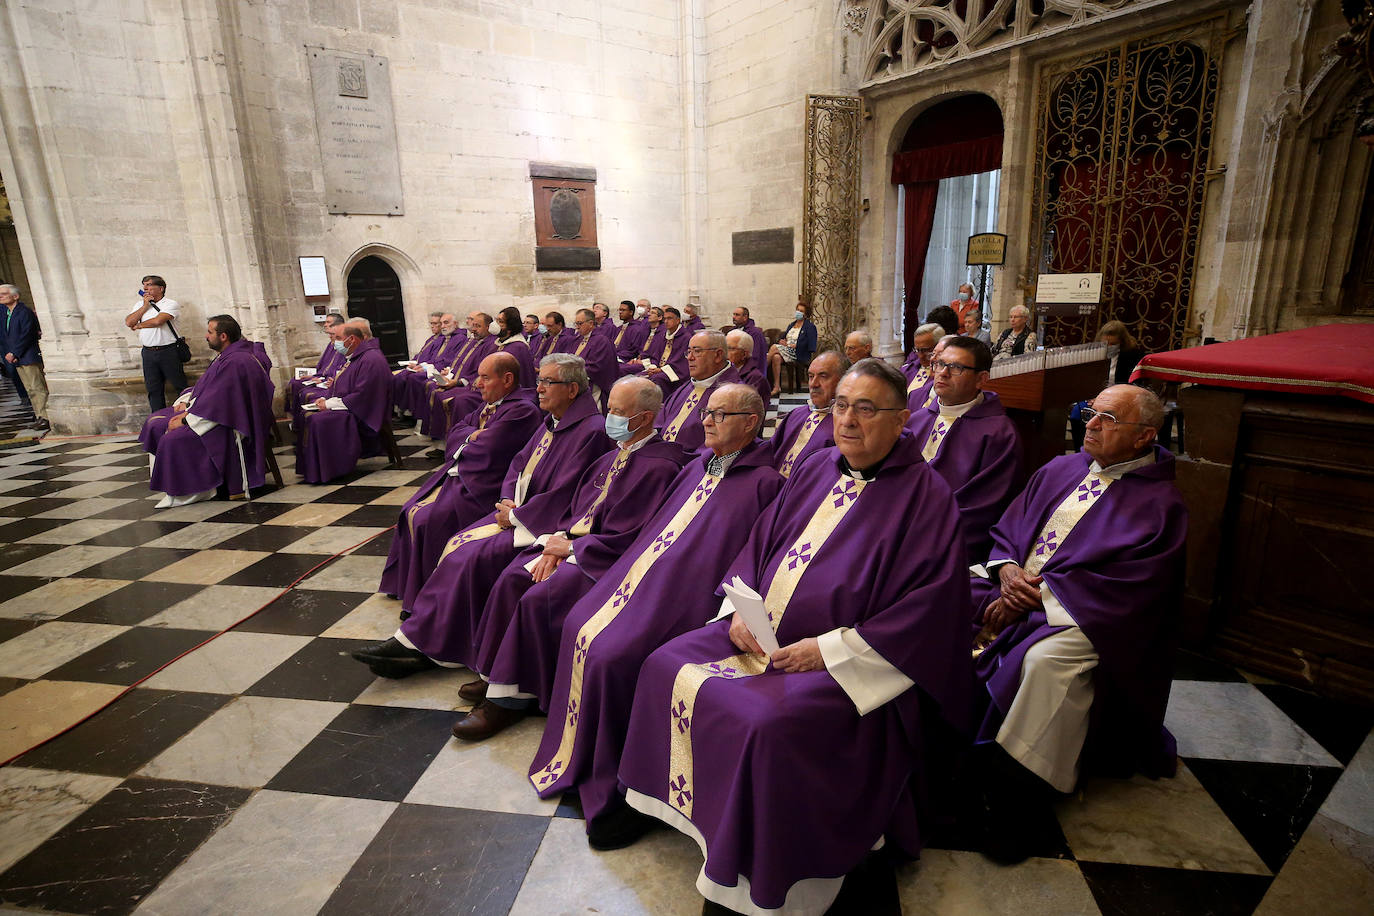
759	358
19	349
1081	596
739	348
708	369
858	345
917	367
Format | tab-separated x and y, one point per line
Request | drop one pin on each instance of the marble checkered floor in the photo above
267	772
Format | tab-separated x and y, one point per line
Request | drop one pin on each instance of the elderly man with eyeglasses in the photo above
707	367
965	435
789	768
1082	591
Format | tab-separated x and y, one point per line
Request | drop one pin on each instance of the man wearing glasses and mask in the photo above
965	435
1083	583
812	752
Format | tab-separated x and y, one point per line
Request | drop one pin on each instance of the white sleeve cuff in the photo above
335	404
1056	615
524	537
727	607
869	679
199	425
668	371
572	554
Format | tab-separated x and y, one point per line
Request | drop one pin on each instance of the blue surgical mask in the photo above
963	297
340	348
798	315
618	428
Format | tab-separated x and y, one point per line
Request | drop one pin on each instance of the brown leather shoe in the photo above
474	691
486	720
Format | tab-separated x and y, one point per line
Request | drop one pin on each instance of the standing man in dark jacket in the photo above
21	353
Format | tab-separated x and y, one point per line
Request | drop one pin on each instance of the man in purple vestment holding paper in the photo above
789	769
408	387
443	386
346	425
666	363
631	334
480	447
739	348
219	437
516	636
810	429
302	391
654	332
758	359
598	353
680	419
1084	580
640	603
445	604
966	437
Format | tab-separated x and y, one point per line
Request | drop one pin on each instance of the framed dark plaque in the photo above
564	217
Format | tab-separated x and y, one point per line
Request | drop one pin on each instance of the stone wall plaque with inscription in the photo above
762	246
357	129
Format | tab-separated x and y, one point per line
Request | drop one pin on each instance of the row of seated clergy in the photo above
348	424
680	420
597	353
557	336
500	454
217	432
665	358
758	355
739	349
410	392
442	391
302	391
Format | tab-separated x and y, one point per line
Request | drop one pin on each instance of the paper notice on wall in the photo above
749	605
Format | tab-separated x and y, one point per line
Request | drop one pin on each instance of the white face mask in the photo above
963	297
494	328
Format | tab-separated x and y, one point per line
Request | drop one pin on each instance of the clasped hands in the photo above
1020	595
556	549
176	420
802	655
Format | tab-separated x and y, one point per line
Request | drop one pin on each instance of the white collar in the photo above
708	382
1122	468
958	410
636	446
811	405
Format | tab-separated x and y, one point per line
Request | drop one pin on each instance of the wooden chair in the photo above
273	468
393	452
794	376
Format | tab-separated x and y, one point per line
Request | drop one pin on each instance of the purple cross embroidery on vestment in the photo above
680	717
683	795
848	491
1089	489
664	541
1045	542
800	554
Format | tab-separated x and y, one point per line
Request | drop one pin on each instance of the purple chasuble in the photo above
786	457
411	386
442	410
607	330
334	440
759	357
236	393
789	782
693	324
517	638
911	367
679	419
633	608
751	376
299	391
916	400
562	343
1119	574
447	602
670	354
629	337
602	368
260	354
979	457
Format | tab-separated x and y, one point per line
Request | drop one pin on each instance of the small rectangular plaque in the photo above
987	248
314	279
357	130
762	246
1068	289
567	258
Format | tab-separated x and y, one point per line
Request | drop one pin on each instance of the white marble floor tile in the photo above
213	608
230	664
103	459
396	497
245	743
491	775
313	515
77	531
35	804
295	847
348	574
331	540
8	485
33	654
100	448
10	459
17	471
207	567
952	883
40	709
66	561
390	478
296	493
58	597
374	619
84	490
201	535
429	690
1351	801
1168	823
1329	873
82	474
196	512
655	877
1234	721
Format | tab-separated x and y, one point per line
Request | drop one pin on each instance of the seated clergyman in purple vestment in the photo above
443	386
654	332
346	426
680	419
808	429
598	353
558	337
788	770
917	367
480	447
966	436
739	349
408	390
630	335
444	609
505	334
642	602
302	391
923	395
666	362
758	356
1086	574
218	437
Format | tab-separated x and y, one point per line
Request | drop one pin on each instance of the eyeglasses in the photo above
1109	421
865	410
546	382
697	351
954	369
718	416
925	351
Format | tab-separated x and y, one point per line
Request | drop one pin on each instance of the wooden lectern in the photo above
1039	389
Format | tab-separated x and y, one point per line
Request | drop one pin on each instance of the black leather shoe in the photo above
405	615
486	720
42	423
392	659
620	827
391	647
435	453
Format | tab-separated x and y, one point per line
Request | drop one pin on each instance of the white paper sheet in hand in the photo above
749	605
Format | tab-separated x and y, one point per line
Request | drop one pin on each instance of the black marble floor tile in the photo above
130	476
1271	804
11	683
135	534
14	554
303	612
41	471
369	752
357	495
135	564
127	734
255	513
371	517
12	628
42	488
131	491
277	571
321	670
134	509
14	586
1190	666
27	526
1339	727
264	537
436	860
130	656
379	546
60	459
113	854
570	805
1139	890
132	604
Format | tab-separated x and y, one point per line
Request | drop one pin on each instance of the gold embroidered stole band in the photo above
804	436
943	425
583	525
673	429
920	378
1062	521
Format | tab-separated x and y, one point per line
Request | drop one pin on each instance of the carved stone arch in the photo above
407	272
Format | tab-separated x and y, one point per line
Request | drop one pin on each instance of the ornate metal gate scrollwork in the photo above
830	217
1122	153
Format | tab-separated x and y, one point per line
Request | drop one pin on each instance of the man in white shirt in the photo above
153	319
